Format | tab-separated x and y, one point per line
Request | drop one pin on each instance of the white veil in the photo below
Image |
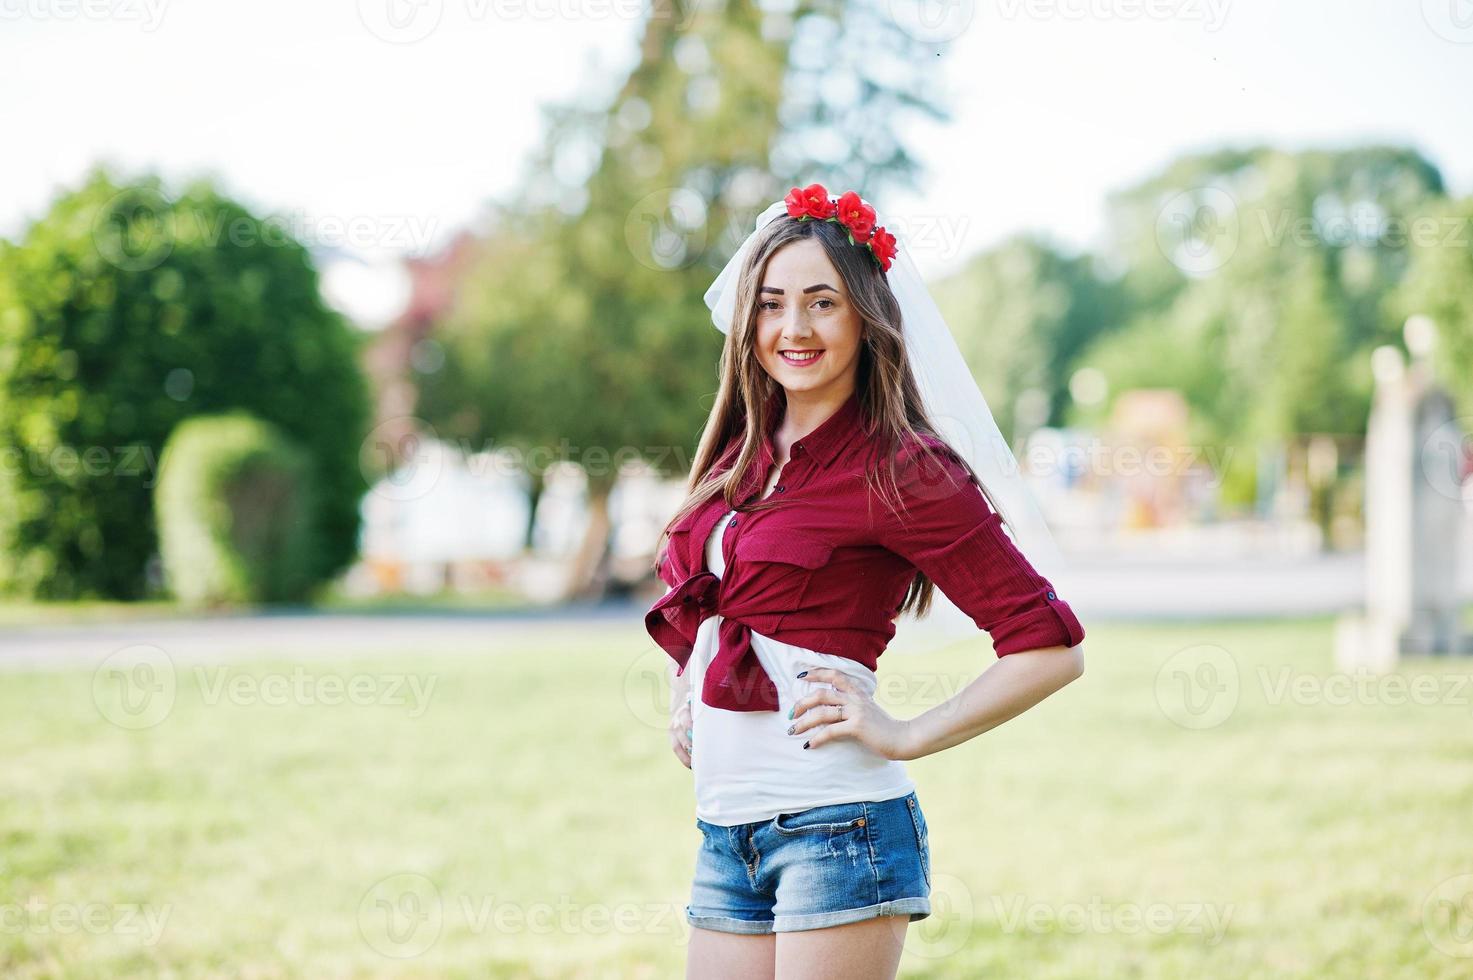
962	417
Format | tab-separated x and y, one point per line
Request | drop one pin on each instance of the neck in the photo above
806	411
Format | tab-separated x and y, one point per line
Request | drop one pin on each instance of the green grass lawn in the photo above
523	817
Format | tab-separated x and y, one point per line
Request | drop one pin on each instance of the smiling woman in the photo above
823	504
807	330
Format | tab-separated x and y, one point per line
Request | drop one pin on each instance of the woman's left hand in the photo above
828	714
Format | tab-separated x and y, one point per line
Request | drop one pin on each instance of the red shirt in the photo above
828	569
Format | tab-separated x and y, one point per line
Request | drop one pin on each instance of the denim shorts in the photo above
824	866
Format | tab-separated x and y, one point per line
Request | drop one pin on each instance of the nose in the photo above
795	324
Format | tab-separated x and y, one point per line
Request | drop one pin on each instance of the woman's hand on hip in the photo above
828	714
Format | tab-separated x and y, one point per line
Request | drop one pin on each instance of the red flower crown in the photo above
848	210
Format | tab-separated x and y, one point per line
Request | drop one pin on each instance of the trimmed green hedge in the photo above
125	311
234	508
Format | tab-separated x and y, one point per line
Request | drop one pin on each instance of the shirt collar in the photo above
824	442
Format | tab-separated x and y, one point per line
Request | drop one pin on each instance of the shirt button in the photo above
779	488
1051	594
732	522
797	447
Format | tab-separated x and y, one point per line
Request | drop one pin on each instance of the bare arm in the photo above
950	532
1005	690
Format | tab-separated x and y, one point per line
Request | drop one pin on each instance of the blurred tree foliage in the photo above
123	312
1439	284
1260	280
1254	280
1021	312
581	332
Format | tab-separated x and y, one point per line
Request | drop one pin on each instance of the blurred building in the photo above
391	357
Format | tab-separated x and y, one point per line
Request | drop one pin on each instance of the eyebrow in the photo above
811	289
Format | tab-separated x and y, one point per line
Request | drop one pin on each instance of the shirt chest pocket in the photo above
780	562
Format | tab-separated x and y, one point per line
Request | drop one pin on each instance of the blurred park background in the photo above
353	355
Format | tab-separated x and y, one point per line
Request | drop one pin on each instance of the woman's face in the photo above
807	330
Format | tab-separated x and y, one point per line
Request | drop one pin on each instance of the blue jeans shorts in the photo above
824	866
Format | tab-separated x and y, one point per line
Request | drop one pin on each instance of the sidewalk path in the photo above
1103	591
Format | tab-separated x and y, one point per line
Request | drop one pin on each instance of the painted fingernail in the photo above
791	710
802	673
790	729
687	733
805	745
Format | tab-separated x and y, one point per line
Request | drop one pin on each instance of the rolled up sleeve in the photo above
949	531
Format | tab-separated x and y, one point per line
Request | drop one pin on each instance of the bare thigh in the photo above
865	950
714	955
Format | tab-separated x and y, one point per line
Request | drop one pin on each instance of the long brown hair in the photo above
889	397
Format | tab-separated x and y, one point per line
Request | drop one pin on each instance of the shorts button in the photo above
860	822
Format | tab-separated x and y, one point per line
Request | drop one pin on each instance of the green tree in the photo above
123	312
1259	280
1281	265
590	285
1439	284
1021	313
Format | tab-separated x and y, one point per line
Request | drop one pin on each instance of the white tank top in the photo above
746	765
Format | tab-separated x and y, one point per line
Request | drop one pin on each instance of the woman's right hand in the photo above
680	732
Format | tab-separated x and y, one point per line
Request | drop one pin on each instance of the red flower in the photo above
811	201
857	216
882	244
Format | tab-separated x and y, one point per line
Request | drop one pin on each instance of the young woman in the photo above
823	504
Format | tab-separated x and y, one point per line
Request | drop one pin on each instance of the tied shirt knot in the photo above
735	679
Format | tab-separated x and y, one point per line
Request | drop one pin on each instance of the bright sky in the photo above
303	108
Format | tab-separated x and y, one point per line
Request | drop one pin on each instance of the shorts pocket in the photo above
833	818
918	821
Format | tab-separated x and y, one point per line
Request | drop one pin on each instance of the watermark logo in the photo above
647	687
1364	687
37	916
666	229
1212	13
1198	230
301	688
133	230
135	687
933	21
1447	916
1198	687
946	930
401	916
149	14
1451	20
1018	914
401	21
401	459
1447	457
